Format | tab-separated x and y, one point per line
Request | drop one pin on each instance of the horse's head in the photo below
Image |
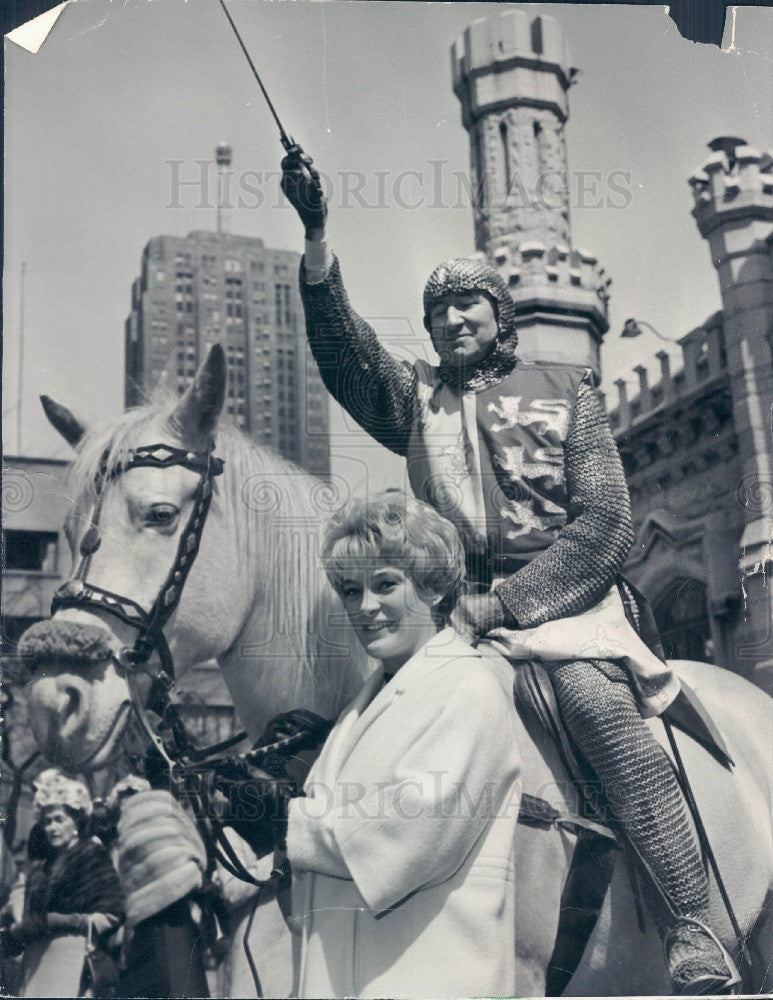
125	529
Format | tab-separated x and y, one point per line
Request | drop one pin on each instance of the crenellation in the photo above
734	184
622	413
531	262
644	399
680	442
703	362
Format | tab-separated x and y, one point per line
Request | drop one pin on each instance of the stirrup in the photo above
701	983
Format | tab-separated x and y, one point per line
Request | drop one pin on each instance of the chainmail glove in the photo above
477	614
302	187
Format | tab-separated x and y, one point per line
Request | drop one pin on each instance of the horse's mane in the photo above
279	507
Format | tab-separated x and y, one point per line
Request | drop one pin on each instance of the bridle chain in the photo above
186	763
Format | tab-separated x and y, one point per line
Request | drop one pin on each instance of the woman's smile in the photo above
391	618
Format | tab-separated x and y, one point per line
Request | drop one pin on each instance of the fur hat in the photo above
160	854
465	274
52	788
126	786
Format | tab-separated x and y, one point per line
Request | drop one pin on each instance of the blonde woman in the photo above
402	847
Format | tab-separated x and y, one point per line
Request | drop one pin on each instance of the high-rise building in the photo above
213	287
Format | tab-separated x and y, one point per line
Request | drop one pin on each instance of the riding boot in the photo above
600	712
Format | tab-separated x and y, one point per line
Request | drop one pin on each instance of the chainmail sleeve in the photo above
371	385
588	553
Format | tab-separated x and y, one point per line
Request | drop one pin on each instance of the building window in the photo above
282	304
505	154
480	171
536	36
683	621
33	551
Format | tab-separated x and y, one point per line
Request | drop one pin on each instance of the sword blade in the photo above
285	139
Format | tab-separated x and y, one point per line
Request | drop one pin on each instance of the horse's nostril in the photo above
70	710
73	703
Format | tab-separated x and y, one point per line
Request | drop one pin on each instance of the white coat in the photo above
402	851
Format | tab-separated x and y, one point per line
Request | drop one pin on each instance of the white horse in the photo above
257	600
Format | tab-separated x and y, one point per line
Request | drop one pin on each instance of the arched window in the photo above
683	621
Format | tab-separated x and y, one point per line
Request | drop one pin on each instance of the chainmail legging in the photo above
601	714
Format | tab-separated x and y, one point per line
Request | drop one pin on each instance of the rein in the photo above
192	769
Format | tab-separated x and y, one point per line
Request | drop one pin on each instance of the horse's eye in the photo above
162	515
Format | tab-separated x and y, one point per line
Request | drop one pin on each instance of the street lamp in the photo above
633	328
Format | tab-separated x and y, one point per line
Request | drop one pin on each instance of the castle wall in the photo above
698	446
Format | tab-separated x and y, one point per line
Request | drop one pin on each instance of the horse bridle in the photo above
79	593
188	765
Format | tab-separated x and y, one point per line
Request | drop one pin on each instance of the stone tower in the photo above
733	194
511	73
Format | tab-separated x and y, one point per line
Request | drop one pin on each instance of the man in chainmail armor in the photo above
520	456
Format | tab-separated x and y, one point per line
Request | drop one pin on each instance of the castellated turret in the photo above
733	192
511	73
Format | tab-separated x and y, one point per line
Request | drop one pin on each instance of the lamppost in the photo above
633	328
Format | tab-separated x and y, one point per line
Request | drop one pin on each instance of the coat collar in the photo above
442	647
376	697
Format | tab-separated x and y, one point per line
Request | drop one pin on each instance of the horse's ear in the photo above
198	411
64	420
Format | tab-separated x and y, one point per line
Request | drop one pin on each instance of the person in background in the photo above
72	895
161	860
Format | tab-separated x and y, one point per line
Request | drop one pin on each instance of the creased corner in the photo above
30	36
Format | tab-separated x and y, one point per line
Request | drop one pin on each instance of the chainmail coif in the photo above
463	274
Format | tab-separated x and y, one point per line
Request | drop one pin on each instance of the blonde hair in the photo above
395	528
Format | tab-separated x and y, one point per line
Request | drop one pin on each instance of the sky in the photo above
124	94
